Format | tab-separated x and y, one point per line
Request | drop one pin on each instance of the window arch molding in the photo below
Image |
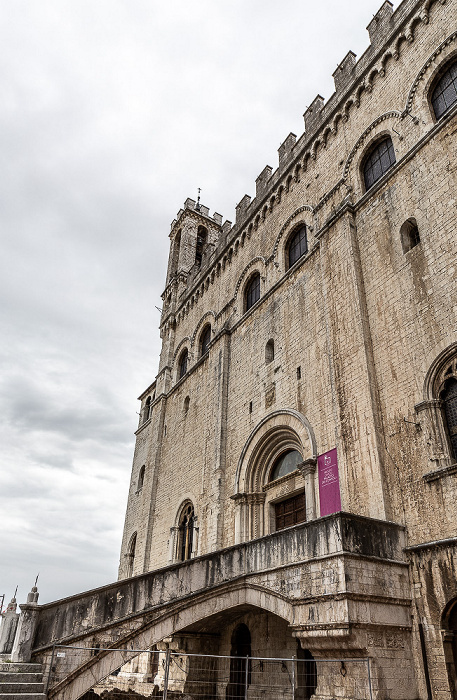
438	426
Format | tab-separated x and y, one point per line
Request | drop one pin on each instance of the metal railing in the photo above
173	674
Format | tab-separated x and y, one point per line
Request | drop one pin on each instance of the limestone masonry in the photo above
294	483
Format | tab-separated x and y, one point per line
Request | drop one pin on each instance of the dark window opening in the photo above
444	95
298	372
202	235
147	410
250	406
183	364
141	478
131	555
298	245
285	464
269	351
186	404
378	161
449	398
409	234
186	533
252	291
290	512
205	341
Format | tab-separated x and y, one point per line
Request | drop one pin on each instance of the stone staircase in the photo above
20	681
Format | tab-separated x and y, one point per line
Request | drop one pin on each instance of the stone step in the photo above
20	668
20	677
19	688
24	696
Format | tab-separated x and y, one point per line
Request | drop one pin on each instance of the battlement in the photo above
200	209
386	30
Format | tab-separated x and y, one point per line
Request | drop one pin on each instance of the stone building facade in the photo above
295	468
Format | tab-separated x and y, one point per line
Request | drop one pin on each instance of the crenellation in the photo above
262	180
286	149
241	210
381	24
313	115
344	72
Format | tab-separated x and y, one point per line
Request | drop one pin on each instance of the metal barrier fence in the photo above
171	675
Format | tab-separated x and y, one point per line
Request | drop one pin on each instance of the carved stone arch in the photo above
367	138
347	108
181	550
372	76
287	226
326	135
284	422
428	73
281	434
362	88
175	616
202	321
443	358
185	342
337	118
250	267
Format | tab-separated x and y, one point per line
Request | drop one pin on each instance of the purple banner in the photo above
329	483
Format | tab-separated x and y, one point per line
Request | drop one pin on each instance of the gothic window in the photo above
252	293
444	95
141	478
286	463
409	234
186	533
183	360
449	398
131	555
298	245
202	235
378	161
205	340
290	512
269	352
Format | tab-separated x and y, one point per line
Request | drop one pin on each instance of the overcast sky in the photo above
111	114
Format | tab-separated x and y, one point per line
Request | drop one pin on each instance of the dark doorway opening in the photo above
306	674
240	668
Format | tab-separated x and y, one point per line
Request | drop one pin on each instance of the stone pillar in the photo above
25	633
9	625
308	469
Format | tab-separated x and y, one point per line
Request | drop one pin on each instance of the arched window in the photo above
378	161
141	478
252	293
449	398
205	340
202	235
269	351
286	463
444	95
298	245
186	533
183	363
186	404
409	234
131	555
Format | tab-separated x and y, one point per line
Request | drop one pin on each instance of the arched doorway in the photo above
306	674
240	674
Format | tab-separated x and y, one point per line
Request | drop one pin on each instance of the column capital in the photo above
308	466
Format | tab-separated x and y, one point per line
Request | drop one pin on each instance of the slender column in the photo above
307	469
